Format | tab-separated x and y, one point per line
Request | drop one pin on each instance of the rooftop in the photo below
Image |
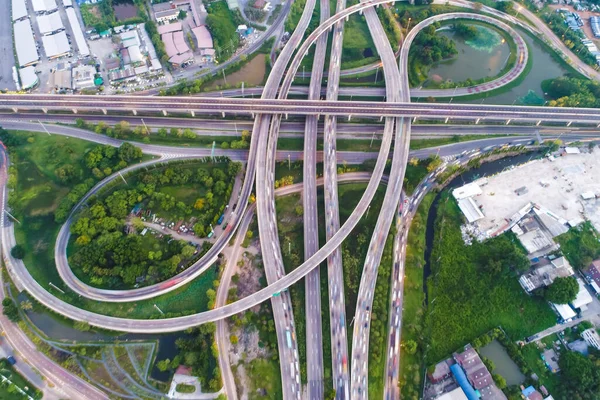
56	45
25	43
545	273
592	272
583	296
28	77
203	37
166	28
50	23
19	9
44	5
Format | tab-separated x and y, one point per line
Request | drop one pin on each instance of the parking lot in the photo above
6	47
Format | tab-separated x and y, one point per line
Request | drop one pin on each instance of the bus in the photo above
289	338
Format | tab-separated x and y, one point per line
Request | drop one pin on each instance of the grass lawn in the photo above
580	245
411	365
474	290
358	48
266	375
10	391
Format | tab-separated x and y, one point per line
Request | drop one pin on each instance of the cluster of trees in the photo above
197	350
109	257
573	92
571	38
466	31
10	309
580	375
107	18
429	47
561	291
243	143
223	24
581	245
157	42
102	160
474	288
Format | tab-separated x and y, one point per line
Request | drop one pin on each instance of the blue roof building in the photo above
462	380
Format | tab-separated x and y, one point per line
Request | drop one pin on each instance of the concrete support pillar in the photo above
223	113
193	113
347	17
134	112
508	122
15	110
349	117
104	111
414	120
446	121
45	110
74	111
538	123
164	112
361	12
477	121
570	122
381	118
286	116
252	114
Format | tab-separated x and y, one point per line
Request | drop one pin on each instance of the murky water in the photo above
125	11
474	60
504	365
252	74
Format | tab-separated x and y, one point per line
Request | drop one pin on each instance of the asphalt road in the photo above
312	282
7	54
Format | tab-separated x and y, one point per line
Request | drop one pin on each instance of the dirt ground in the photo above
555	185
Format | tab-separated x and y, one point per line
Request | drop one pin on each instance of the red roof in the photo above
183	370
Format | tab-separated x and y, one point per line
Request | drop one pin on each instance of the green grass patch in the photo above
411	365
473	289
580	245
265	380
185	388
19	387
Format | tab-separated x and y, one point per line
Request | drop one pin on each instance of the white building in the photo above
29	78
583	297
470	209
44	6
83	76
82	46
565	311
468	190
19	9
56	45
50	23
591	337
27	53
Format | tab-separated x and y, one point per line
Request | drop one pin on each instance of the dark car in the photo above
11	360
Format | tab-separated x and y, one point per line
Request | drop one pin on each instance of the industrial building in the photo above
592	274
165	12
473	376
56	45
83	77
591	337
29	78
565	312
44	6
82	46
544	273
19	9
25	45
583	297
50	23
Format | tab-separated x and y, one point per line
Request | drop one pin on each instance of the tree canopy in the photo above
562	290
580	374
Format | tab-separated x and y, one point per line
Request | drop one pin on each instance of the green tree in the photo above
9	309
410	346
18	252
163	365
499	380
82	326
579	374
562	290
26	305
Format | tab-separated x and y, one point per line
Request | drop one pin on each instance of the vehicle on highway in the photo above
288	337
221	218
11	360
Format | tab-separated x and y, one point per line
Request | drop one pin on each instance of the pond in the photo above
483	56
252	74
543	67
125	11
505	366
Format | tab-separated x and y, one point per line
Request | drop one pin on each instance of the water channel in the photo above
505	366
252	74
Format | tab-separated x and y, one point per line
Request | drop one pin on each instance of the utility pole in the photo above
212	151
289	162
242	88
56	287
224	78
12	216
44	127
376	74
159	310
123	178
145	127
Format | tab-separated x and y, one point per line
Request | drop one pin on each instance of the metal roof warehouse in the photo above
56	45
19	9
50	23
27	53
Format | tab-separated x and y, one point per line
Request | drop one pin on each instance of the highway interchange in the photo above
268	113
